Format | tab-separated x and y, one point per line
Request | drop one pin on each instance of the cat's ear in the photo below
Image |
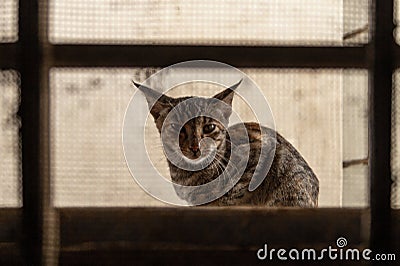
227	95
157	100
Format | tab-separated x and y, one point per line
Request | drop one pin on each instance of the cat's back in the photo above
290	180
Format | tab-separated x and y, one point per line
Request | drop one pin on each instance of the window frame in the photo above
33	56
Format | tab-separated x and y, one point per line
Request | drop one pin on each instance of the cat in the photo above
290	182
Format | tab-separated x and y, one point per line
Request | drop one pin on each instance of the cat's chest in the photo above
195	178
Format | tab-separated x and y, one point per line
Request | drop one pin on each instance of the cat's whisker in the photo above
223	181
219	164
221	157
227	161
230	142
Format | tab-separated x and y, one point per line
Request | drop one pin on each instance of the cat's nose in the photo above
194	148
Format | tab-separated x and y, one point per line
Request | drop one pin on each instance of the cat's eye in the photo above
208	128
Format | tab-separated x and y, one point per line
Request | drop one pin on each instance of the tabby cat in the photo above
289	182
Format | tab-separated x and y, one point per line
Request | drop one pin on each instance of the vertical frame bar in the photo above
380	123
29	67
50	215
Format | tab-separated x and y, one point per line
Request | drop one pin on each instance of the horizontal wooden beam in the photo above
10	236
231	228
395	230
149	235
10	254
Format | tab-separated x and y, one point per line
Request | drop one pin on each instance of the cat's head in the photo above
192	118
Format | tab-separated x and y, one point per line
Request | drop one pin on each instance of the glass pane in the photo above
395	161
307	107
208	22
10	164
355	139
8	21
355	22
87	165
321	112
396	11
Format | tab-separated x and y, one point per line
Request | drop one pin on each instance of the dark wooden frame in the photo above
91	234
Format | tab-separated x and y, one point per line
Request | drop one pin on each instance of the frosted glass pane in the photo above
395	161
8	21
231	22
10	166
356	22
396	12
309	106
87	163
355	138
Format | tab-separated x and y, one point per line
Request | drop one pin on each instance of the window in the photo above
67	65
315	109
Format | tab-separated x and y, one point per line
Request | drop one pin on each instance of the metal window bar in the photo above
380	103
161	56
29	66
33	56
